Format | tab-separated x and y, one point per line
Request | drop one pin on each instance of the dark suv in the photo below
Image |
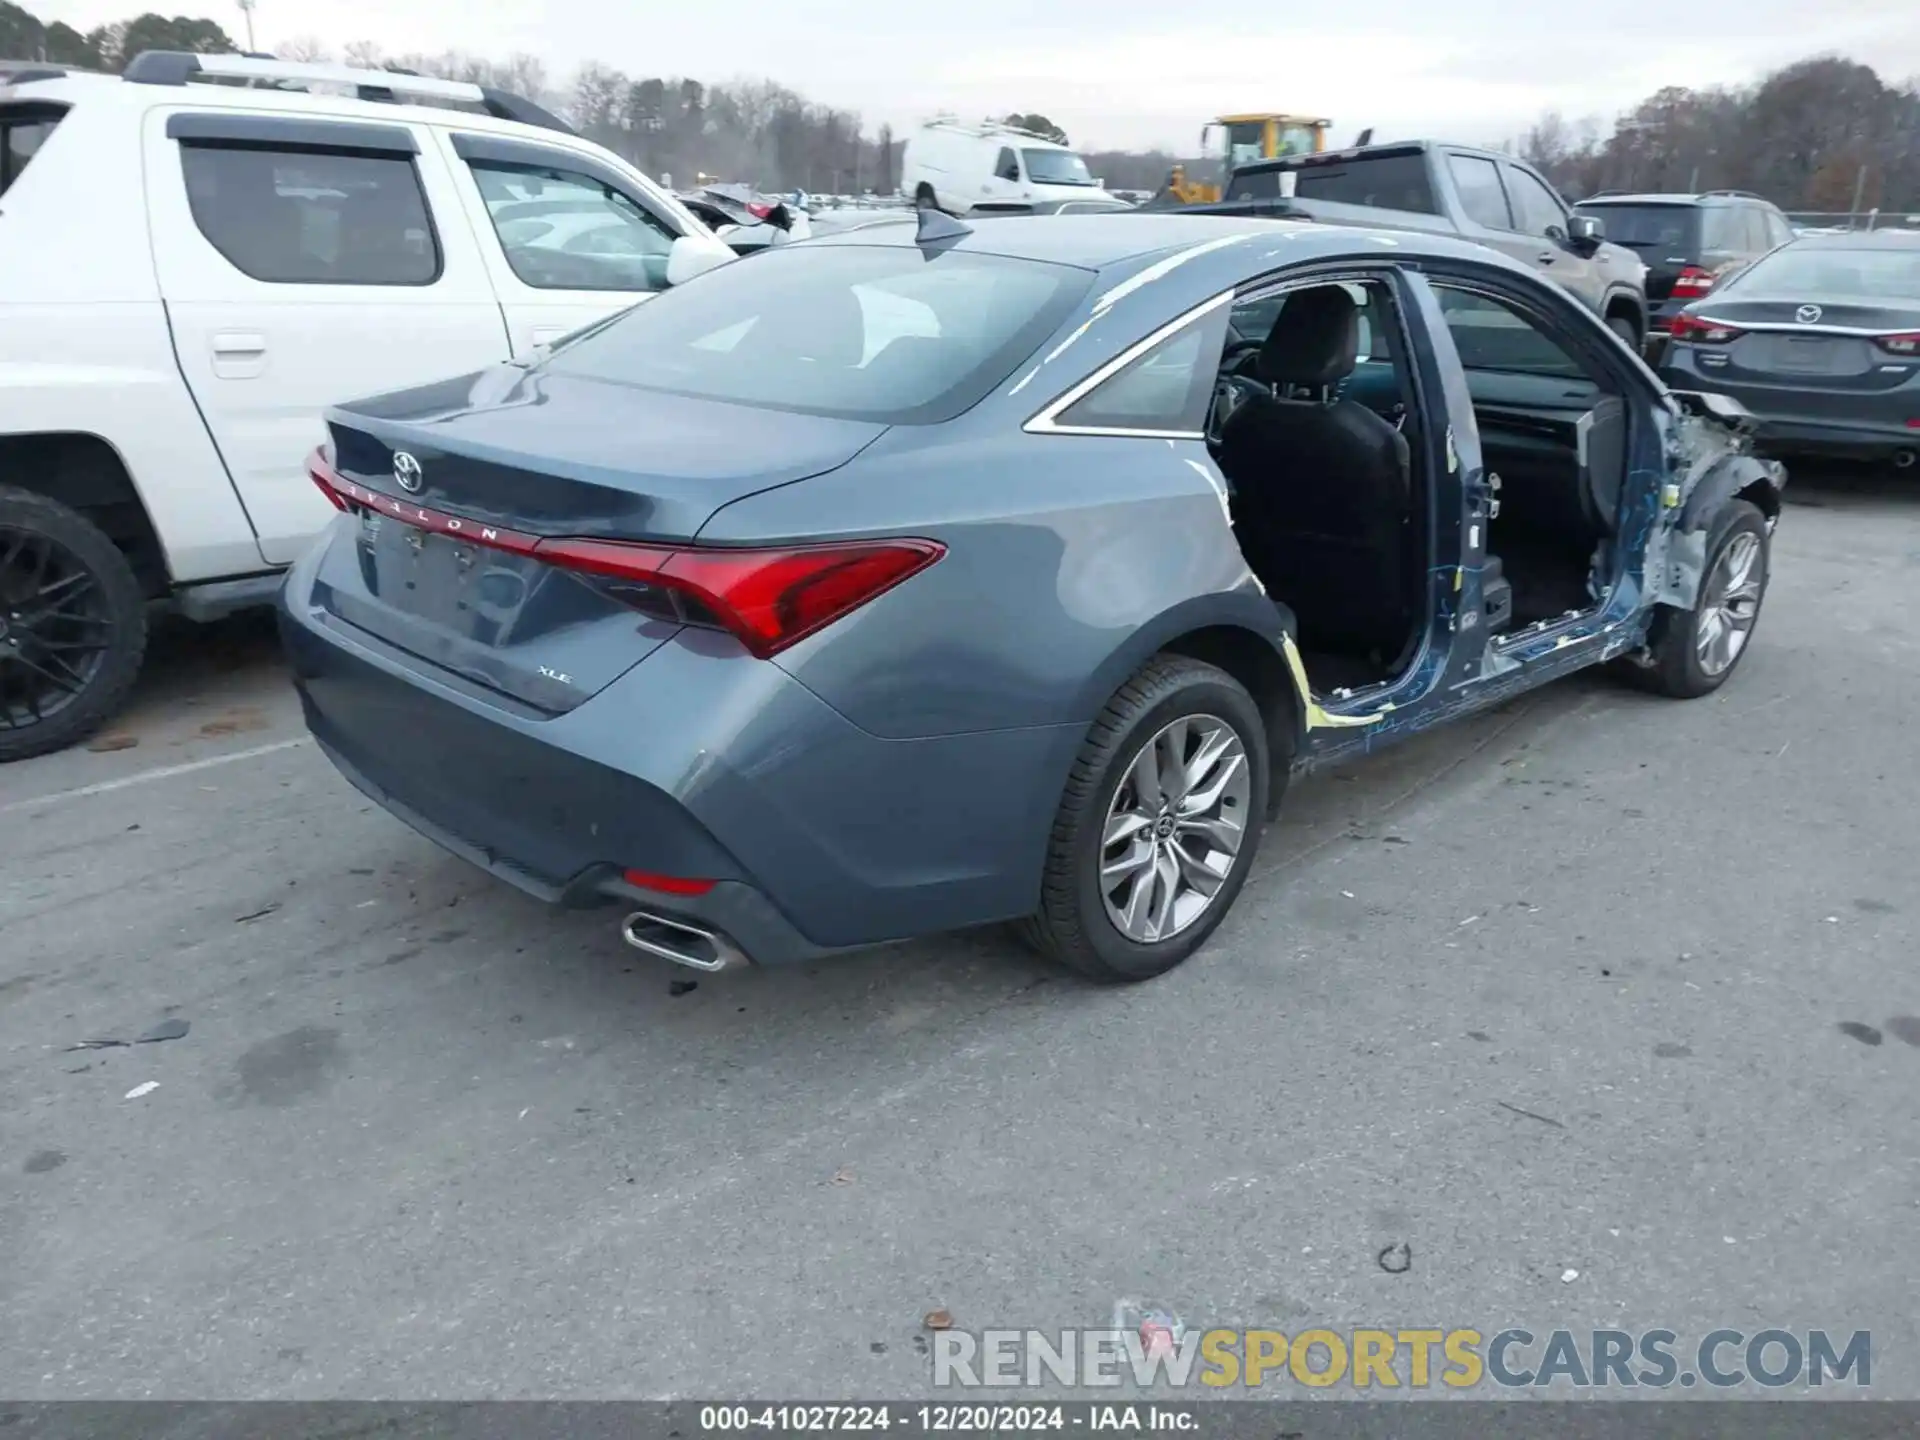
1688	242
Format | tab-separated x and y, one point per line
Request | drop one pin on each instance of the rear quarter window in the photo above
23	130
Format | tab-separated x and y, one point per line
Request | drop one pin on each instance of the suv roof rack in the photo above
23	72
1735	194
178	67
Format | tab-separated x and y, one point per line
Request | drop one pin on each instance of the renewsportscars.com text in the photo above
1368	1359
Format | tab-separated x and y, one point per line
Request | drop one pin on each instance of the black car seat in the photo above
1323	485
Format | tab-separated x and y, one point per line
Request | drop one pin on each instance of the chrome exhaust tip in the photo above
680	942
1903	459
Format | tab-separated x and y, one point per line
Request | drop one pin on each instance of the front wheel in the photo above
73	626
1630	334
1692	652
1158	826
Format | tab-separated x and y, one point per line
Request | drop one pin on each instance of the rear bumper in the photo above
734	910
1812	422
698	763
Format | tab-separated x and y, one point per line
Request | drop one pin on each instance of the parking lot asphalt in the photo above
1602	1006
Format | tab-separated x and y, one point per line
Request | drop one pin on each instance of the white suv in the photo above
190	272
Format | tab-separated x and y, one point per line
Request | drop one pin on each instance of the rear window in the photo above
1390	182
884	334
23	130
1804	271
1672	230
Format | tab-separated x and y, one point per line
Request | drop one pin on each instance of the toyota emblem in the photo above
1808	314
406	472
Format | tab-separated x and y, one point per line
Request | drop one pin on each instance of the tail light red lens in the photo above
770	598
1693	282
320	470
1696	331
667	884
1906	346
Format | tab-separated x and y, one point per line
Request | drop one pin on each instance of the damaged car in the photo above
941	574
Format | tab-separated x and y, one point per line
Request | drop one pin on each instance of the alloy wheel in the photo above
1174	829
55	627
1729	604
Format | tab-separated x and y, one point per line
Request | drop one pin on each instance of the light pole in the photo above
246	9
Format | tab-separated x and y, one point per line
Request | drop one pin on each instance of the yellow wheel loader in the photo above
1240	140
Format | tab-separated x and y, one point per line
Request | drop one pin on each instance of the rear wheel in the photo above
1158	827
73	626
1694	651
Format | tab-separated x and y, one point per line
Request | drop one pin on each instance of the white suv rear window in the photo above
23	130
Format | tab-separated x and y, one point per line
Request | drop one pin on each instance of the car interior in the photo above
1316	428
1554	430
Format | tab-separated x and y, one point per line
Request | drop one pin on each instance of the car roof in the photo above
1860	240
1095	242
75	87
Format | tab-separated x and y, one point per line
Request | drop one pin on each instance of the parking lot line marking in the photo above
147	777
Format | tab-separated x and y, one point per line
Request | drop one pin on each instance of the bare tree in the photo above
304	48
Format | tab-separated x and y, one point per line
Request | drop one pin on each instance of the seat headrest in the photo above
1314	340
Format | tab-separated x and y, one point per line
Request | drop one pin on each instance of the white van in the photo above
960	168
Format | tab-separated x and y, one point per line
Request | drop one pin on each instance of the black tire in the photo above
1072	925
1676	670
1630	334
104	589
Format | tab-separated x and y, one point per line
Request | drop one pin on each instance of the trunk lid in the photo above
450	487
1830	345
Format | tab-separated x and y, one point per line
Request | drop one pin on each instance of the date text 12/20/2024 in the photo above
949	1419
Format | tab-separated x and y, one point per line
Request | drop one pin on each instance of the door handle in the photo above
235	342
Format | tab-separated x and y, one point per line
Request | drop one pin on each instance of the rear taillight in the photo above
1696	331
1907	346
769	598
1692	283
320	470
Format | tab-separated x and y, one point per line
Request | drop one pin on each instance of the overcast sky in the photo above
1134	73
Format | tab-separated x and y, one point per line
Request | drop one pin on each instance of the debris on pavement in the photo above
938	1320
165	1030
107	744
1159	1329
841	1177
1396	1259
682	987
1854	1030
258	914
145	1087
1567	1277
1530	1115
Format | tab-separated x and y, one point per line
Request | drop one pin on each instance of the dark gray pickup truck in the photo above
1480	195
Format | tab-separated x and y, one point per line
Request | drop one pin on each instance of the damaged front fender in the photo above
1710	447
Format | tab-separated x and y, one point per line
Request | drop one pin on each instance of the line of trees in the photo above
1824	134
